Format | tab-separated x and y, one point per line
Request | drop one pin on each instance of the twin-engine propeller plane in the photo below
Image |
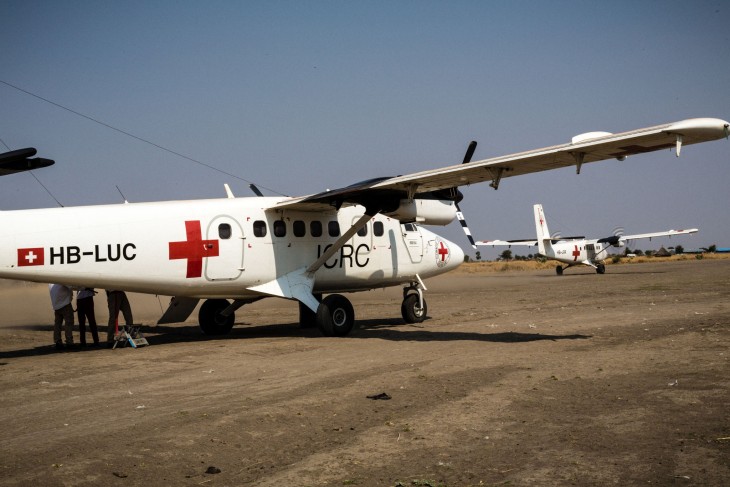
575	250
234	251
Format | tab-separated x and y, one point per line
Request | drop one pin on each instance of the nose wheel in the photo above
412	310
414	307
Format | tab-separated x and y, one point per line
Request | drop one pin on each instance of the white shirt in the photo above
60	295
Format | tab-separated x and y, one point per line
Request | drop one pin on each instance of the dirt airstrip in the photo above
519	378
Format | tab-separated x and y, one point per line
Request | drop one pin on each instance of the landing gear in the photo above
212	322
307	317
411	309
335	316
601	269
559	270
414	308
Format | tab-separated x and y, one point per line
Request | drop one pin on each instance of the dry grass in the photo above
531	265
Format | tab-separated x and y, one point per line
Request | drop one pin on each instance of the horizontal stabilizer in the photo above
525	243
21	160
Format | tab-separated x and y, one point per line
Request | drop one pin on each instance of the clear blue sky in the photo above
301	96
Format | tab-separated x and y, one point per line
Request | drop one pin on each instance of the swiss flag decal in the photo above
34	256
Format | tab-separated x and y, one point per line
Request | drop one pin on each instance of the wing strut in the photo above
299	283
340	242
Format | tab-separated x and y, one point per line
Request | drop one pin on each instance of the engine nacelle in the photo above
425	211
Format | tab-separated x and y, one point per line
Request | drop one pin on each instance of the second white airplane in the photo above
575	250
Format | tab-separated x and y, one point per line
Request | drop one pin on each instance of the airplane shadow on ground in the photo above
392	329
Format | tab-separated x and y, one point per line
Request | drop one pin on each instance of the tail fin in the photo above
543	235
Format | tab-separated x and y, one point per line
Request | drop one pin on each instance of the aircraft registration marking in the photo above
72	254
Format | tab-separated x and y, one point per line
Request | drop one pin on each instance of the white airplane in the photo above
575	250
234	251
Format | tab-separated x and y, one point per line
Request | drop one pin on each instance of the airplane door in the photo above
590	251
228	264
413	240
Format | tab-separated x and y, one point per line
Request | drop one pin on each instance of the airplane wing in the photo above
668	233
524	243
583	149
21	160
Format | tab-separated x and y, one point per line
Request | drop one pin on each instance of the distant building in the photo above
662	252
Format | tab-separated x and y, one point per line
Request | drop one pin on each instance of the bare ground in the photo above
519	378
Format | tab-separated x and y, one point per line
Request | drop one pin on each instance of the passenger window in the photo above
280	228
259	228
224	231
378	229
363	232
300	229
333	228
315	228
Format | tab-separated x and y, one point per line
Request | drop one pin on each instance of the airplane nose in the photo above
457	255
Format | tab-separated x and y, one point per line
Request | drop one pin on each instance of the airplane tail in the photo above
541	228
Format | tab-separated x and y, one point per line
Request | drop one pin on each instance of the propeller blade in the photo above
459	196
464	226
470	152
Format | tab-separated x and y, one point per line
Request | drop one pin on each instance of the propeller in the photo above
467	159
614	239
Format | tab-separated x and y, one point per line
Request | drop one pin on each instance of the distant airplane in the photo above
575	250
21	160
234	251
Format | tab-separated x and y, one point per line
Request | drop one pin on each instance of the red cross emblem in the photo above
442	254
576	253
194	249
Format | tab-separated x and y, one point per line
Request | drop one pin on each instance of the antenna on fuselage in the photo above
123	197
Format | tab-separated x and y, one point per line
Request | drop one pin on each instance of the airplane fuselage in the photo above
218	248
576	252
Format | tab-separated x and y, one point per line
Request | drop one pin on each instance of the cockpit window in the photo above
378	229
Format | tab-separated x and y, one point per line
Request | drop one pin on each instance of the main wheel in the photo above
212	322
559	270
600	268
411	311
335	316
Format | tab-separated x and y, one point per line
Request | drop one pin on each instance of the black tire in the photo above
601	269
410	310
559	270
212	323
335	316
